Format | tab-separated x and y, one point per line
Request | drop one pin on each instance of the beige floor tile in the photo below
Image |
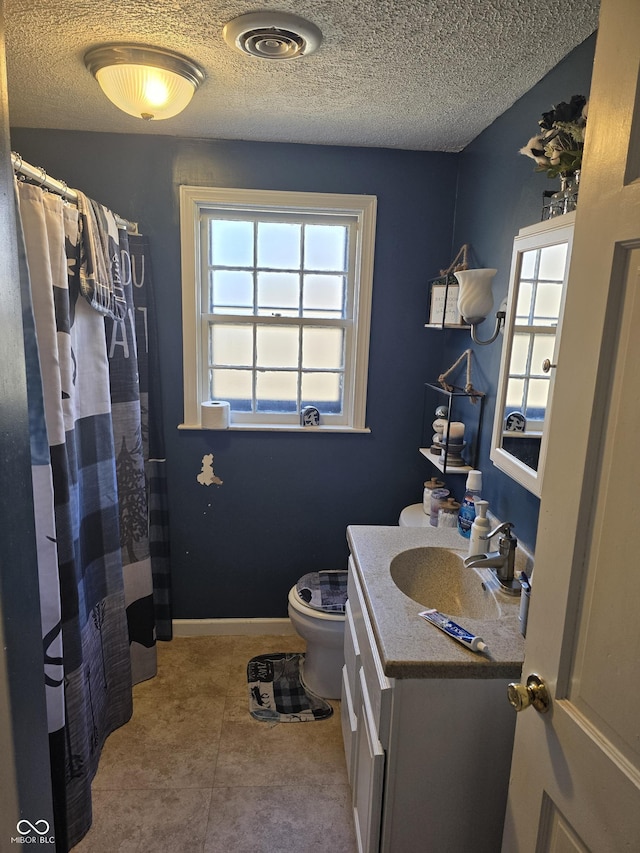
169	742
167	821
255	753
281	820
273	787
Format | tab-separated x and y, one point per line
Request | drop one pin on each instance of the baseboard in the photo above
220	627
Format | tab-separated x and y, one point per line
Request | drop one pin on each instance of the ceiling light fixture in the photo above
272	35
145	82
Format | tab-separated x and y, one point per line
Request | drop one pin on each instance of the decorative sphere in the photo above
442	412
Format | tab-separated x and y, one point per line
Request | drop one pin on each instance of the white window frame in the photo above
195	202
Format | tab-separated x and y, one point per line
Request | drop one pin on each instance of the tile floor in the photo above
193	771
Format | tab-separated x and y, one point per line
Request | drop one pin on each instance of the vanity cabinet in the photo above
428	758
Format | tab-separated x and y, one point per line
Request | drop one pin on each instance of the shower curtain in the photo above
136	266
98	639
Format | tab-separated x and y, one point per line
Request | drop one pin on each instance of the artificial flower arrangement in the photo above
557	149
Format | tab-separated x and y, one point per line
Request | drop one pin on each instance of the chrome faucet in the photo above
502	561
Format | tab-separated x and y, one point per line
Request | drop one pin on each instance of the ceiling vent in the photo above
272	35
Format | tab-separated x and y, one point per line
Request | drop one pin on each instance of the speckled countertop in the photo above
409	646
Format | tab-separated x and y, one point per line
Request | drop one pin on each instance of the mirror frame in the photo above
548	233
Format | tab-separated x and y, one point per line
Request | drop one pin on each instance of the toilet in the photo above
316	610
414	516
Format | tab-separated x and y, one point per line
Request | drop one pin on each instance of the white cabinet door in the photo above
369	776
349	723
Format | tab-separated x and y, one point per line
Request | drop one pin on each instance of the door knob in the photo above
534	692
546	365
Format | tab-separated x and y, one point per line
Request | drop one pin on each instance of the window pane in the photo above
515	391
231	243
523	306
277	346
231	385
519	354
528	263
231	345
324	391
278	245
322	348
276	391
230	292
325	247
323	296
552	262
543	346
278	291
547	309
537	398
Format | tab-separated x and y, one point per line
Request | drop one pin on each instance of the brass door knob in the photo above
546	365
534	692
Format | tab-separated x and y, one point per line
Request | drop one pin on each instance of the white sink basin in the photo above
436	577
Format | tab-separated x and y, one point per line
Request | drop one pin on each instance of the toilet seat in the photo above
310	612
323	591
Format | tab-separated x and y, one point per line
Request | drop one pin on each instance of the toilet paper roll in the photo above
215	414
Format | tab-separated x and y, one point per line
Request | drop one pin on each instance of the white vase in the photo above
475	299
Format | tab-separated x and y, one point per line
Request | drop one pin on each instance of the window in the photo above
276	305
542	275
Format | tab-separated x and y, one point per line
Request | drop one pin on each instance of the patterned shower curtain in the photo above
89	594
136	268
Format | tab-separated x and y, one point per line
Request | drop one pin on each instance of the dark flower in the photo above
557	149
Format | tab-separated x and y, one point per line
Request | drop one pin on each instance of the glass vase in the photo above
566	199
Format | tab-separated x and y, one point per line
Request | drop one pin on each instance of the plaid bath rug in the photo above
276	692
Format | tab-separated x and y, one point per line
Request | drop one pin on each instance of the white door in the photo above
575	777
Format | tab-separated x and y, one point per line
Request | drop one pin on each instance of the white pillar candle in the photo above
455	430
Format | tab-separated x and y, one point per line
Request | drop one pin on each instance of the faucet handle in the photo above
506	527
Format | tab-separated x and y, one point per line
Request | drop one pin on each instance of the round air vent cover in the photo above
272	35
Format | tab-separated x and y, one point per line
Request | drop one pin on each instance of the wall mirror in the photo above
537	286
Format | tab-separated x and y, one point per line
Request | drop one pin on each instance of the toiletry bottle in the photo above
480	527
467	509
429	486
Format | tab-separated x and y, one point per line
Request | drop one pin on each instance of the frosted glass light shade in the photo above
475	298
148	83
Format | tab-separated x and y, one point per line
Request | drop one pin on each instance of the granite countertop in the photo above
409	646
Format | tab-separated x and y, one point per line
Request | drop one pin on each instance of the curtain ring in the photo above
43	172
18	165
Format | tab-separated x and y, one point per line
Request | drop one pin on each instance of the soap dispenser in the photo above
479	528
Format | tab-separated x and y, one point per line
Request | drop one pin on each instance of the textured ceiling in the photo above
424	75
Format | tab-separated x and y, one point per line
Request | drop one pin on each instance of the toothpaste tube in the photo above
476	644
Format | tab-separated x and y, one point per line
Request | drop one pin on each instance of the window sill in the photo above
323	428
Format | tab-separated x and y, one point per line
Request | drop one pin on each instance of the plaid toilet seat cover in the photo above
324	590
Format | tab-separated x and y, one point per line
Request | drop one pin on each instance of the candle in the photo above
455	431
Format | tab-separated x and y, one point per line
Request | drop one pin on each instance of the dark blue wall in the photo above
500	192
286	498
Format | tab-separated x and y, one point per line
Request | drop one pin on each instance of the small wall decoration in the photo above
515	422
443	307
310	417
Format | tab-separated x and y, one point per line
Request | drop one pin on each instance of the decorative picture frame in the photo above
443	304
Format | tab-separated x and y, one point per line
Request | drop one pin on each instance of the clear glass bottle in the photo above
429	486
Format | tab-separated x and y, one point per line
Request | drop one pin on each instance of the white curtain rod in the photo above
39	175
